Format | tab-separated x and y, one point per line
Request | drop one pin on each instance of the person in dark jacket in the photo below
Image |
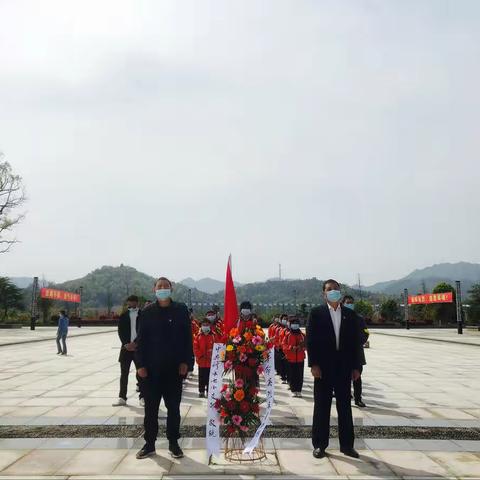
127	332
164	351
333	350
62	333
349	302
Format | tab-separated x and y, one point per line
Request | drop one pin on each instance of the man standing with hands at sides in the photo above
164	350
127	332
333	347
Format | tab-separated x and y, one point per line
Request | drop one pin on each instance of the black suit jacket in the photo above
164	339
124	332
321	342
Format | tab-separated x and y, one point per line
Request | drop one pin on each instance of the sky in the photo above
333	137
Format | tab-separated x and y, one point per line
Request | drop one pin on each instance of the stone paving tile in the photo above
433	445
40	462
64	443
411	464
368	464
301	462
20	443
8	457
461	464
92	462
157	465
468	445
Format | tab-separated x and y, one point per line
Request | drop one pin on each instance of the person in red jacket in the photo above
281	332
203	347
294	349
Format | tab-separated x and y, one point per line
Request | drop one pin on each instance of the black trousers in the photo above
295	376
203	377
170	389
126	359
276	357
322	393
63	338
282	364
357	388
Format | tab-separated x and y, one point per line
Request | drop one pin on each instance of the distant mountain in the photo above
21	282
112	285
207	285
429	277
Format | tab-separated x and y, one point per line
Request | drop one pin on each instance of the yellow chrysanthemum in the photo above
229	348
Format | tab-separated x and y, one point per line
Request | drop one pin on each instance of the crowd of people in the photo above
165	340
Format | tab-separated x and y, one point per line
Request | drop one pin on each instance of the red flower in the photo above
255	408
231	405
244	406
253	391
217	403
230	429
252	362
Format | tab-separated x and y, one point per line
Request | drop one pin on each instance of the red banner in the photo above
430	298
59	295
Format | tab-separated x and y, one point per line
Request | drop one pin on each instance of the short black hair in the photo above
164	279
246	305
132	298
330	280
63	312
348	297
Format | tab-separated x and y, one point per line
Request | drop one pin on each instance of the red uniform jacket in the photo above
202	348
294	346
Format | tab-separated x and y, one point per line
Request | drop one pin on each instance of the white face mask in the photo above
205	329
295	326
245	312
132	309
211	318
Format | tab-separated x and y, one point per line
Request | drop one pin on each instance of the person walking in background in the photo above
164	351
294	348
62	333
203	348
333	347
127	332
349	302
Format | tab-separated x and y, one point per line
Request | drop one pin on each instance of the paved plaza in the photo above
409	383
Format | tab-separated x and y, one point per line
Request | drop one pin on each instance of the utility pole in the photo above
80	308
189	298
405	301
459	307
33	317
360	287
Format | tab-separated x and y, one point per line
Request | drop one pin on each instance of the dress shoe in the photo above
319	453
350	452
360	404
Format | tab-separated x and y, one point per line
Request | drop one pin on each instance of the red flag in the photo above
230	313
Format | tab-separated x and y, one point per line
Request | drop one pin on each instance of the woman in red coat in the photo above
202	348
294	350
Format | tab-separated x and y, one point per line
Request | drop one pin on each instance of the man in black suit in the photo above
334	357
164	351
127	332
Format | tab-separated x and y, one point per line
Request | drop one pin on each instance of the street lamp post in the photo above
405	301
459	307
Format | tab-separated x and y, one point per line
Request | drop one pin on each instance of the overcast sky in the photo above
334	137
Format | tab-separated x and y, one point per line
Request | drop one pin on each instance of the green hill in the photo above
112	285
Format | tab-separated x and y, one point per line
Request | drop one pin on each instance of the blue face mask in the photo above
351	306
334	296
205	329
163	293
295	326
